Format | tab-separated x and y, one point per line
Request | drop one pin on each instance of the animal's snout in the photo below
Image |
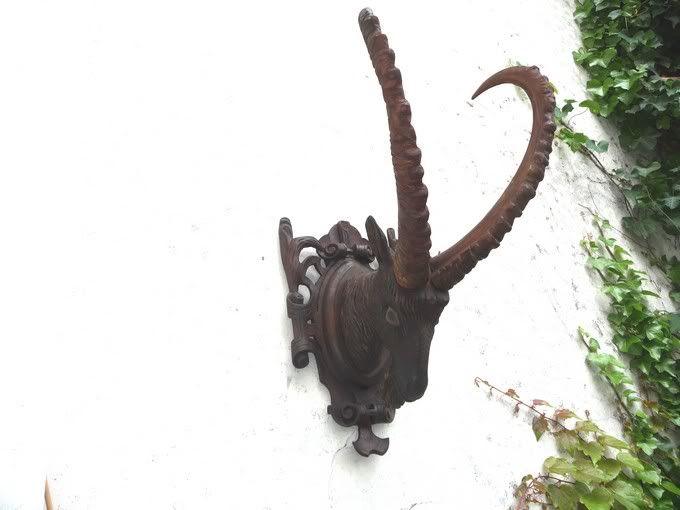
416	387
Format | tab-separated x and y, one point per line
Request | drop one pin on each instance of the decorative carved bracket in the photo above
356	398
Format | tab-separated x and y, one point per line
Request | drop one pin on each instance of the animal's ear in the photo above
378	242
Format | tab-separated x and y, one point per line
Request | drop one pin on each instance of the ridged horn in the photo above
451	266
412	251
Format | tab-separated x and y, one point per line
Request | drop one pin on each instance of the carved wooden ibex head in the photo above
371	329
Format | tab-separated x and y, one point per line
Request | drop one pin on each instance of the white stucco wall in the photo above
147	152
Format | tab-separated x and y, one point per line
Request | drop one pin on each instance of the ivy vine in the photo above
647	336
594	470
631	50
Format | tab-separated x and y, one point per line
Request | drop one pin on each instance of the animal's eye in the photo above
391	317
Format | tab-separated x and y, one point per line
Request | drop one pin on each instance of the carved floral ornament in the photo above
370	329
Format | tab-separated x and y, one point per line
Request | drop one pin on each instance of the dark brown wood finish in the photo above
370	329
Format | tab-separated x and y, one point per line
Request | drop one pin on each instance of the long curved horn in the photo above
412	252
451	266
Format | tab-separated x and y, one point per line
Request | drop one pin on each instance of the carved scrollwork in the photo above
355	401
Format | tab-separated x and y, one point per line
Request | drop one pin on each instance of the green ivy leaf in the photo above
558	465
648	445
675	320
598	147
598	499
600	263
658	493
568	105
593	450
610	467
623	83
671	202
574	140
592	105
630	460
642	226
586	426
612	442
649	476
563	496
584	471
596	88
617	293
628	494
644	171
670	487
604	58
663	122
567	441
